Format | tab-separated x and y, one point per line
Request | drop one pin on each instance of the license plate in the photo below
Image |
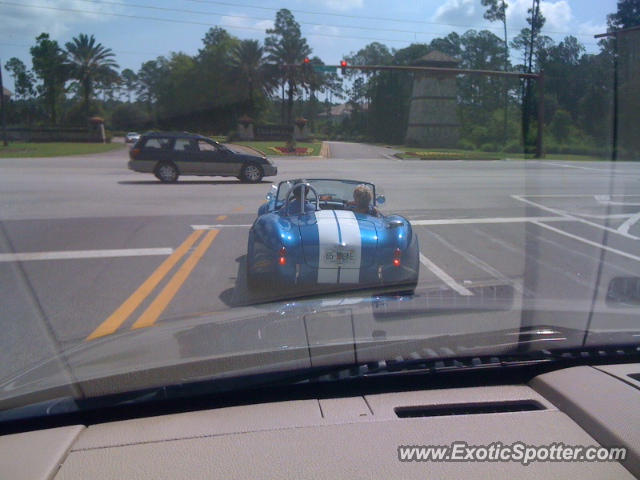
340	256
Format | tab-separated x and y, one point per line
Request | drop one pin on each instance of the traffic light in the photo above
343	64
306	67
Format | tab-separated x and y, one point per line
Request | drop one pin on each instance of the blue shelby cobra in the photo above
326	242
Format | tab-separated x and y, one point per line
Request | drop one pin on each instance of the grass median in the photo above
55	149
418	153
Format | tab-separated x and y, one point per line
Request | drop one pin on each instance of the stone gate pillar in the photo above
433	120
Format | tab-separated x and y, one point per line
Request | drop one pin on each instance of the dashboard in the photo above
353	436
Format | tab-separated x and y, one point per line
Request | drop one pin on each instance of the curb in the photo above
302	157
325	151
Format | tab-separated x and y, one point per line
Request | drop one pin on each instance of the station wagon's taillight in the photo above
134	152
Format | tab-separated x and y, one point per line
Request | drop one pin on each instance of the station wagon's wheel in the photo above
251	173
167	172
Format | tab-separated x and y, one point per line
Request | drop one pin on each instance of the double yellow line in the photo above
155	309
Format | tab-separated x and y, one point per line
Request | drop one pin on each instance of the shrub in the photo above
578	149
488	147
465	144
572	149
128	117
480	135
623	154
232	136
513	146
319	136
76	114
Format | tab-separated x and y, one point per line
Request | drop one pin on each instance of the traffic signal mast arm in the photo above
461	71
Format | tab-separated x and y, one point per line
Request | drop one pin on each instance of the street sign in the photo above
325	68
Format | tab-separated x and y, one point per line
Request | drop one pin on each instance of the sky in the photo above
140	30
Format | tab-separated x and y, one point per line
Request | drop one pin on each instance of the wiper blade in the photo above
566	356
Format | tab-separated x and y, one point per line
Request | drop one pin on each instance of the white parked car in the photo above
132	137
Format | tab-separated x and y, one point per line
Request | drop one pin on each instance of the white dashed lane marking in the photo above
79	254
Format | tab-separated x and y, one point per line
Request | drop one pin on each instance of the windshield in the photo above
502	133
328	190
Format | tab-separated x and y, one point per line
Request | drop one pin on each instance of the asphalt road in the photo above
88	248
349	150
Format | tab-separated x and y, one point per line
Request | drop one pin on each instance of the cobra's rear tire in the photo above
253	282
257	282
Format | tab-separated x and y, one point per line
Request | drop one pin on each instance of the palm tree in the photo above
249	65
290	52
90	63
286	47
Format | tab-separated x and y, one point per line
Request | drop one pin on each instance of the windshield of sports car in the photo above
330	192
468	171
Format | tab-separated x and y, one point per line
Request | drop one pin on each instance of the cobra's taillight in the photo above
397	253
283	256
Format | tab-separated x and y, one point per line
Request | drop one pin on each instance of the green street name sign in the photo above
325	68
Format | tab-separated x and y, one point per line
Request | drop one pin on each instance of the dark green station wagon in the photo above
169	155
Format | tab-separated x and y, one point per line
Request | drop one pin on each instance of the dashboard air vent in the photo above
468	408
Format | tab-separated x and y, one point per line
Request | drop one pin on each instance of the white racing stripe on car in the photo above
327	239
351	238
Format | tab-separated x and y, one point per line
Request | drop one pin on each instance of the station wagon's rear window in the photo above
183	144
156	143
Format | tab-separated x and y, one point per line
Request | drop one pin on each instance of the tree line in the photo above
83	64
230	77
497	113
227	78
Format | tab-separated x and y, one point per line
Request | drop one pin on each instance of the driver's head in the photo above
362	196
297	192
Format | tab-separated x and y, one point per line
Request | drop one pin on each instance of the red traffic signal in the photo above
306	60
343	64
